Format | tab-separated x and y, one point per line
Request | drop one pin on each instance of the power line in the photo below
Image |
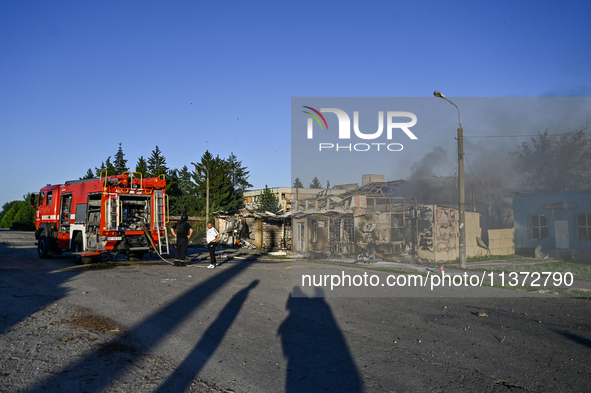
513	136
477	155
491	195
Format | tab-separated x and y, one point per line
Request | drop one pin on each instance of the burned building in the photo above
247	228
378	220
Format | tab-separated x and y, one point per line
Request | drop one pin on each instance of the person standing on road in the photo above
211	236
182	231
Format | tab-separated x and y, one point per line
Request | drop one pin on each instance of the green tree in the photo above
25	216
298	183
239	174
105	165
157	163
5	209
120	162
142	166
20	215
267	202
183	194
222	195
99	170
315	183
174	192
89	175
184	179
8	217
555	162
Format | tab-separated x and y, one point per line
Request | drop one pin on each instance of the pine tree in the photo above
173	191
120	163
327	184
142	166
267	202
238	173
99	171
184	178
89	175
239	176
157	163
222	195
297	183
186	201
110	167
315	183
105	165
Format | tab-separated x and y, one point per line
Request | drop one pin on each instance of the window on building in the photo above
584	227
538	226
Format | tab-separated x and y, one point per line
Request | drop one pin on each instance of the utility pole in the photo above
461	195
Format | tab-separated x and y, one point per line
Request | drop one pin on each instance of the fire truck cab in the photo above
123	214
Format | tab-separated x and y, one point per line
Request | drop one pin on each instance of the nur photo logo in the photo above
392	120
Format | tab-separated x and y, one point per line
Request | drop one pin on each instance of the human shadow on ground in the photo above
27	284
184	374
318	358
111	360
576	338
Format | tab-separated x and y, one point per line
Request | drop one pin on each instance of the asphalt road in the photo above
151	327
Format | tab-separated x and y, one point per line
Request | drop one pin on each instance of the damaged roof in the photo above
244	212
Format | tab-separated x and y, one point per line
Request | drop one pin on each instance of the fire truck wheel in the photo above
42	247
78	247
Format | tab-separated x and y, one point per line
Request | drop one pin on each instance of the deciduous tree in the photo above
555	162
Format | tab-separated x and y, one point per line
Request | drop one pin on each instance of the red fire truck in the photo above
123	214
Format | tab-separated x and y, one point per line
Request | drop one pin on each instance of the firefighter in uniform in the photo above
182	231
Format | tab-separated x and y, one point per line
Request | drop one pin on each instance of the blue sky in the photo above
77	78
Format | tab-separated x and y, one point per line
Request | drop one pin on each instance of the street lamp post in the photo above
200	168
461	196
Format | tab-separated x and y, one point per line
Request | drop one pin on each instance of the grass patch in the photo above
491	258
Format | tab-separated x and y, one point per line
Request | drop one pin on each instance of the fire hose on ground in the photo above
147	233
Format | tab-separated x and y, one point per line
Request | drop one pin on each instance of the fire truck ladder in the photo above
160	222
112	214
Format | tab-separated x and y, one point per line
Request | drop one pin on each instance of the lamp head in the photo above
438	94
